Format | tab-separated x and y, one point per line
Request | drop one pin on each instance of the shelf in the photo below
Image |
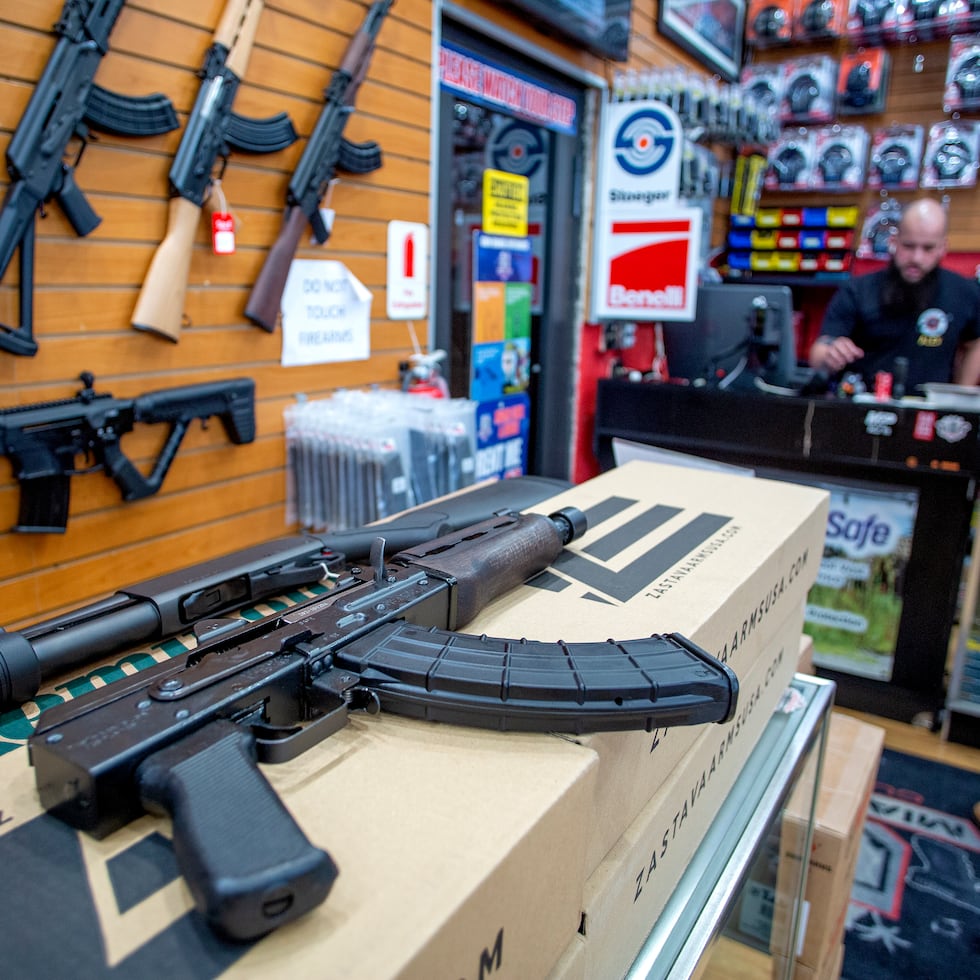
792	278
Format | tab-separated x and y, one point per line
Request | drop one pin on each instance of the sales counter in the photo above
907	447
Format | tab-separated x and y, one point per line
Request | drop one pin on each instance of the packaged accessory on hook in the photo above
790	161
815	20
840	153
896	156
963	73
880	224
873	21
769	22
764	84
951	155
809	89
862	82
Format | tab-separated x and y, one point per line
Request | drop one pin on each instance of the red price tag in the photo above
222	233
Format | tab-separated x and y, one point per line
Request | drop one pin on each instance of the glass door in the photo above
506	316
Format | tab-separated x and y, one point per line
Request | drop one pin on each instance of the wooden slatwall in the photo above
217	497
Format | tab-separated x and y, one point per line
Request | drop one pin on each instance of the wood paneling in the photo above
217	497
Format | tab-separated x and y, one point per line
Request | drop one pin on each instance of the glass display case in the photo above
736	911
961	719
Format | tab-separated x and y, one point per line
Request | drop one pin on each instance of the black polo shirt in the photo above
924	324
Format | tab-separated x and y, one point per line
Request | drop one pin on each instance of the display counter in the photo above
929	450
717	900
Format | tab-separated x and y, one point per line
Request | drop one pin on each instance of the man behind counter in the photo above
912	309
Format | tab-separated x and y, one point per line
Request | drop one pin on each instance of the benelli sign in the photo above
646	245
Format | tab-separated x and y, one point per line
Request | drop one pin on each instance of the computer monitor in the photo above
739	333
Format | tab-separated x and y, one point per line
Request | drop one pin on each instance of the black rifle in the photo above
170	604
212	131
43	440
326	152
385	639
62	106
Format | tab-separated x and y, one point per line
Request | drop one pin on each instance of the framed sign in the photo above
601	26
711	30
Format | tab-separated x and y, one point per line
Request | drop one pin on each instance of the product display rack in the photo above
789	754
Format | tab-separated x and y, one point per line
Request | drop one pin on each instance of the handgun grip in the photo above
249	866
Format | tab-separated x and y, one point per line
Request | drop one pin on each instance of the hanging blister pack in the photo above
362	456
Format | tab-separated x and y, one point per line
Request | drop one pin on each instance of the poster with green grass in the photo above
854	608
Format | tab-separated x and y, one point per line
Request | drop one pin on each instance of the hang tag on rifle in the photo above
222	233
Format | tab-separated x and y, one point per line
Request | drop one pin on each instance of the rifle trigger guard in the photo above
333	708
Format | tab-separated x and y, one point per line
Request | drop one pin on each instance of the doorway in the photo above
502	111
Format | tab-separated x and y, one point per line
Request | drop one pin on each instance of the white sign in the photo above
646	245
326	314
408	278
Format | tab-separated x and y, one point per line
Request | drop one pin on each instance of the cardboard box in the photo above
628	891
805	665
851	758
829	969
461	852
723	559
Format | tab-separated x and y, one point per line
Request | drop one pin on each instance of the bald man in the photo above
913	309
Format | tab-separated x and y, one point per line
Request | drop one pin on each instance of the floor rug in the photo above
915	904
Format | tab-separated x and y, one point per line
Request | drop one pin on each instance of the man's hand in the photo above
833	354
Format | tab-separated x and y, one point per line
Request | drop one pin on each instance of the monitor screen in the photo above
601	26
739	333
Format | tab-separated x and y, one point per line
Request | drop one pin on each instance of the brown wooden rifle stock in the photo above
212	129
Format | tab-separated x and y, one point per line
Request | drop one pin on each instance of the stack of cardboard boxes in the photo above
847	779
466	853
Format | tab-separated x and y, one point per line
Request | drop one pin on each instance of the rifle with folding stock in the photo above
213	130
384	638
326	152
42	440
62	106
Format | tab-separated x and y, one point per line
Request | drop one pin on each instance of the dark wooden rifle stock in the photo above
263	304
327	151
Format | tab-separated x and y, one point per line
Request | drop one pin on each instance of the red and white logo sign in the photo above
648	268
647	247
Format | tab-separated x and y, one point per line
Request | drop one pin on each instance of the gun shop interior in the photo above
487	485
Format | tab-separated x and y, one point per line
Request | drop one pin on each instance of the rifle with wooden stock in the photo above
326	152
212	131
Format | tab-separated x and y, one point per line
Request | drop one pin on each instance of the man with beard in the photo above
913	309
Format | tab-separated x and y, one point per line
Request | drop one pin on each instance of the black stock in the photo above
43	440
169	604
326	152
383	638
63	104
